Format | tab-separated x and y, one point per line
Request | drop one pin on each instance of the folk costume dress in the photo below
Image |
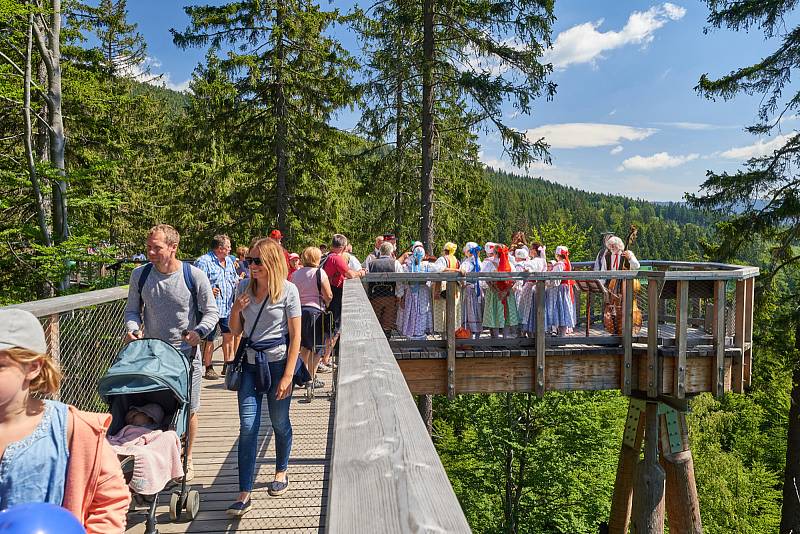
560	309
500	309
415	317
472	294
445	263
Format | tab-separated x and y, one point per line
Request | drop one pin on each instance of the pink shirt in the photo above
305	279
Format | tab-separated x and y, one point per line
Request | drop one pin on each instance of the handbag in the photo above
233	375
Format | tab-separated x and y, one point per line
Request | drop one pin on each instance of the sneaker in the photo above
211	374
318	383
239	508
322	368
189	471
277	487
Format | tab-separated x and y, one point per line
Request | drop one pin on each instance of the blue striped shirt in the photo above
224	278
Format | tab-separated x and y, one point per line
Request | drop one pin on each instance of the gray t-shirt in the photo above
274	320
167	305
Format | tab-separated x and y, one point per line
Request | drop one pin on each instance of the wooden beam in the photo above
681	500
385	472
747	356
653	303
540	338
648	494
45	307
450	328
679	384
622	499
505	374
627	338
718	332
739	336
52	333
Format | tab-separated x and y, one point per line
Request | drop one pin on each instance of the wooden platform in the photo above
301	510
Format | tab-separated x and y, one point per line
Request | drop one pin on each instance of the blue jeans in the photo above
250	422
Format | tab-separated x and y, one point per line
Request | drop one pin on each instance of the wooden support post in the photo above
681	501
648	495
588	313
540	338
52	334
682	311
626	468
653	303
737	369
718	332
627	337
450	328
747	356
708	318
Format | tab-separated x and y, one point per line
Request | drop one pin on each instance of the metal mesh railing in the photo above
84	341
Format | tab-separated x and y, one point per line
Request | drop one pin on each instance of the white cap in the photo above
521	254
21	329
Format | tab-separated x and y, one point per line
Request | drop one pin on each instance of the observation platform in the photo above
362	460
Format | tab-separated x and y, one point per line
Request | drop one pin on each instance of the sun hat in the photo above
21	329
152	410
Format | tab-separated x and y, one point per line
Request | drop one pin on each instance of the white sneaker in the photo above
322	368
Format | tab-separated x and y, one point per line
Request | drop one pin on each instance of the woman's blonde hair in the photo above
274	262
49	377
311	256
241	251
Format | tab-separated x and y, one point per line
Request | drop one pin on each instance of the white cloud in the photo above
616	150
682	125
146	72
661	160
759	148
612	112
585	44
587	134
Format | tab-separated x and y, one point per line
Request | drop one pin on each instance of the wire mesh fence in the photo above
84	341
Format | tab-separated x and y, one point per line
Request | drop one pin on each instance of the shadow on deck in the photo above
301	510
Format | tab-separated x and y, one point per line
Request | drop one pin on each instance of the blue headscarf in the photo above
475	251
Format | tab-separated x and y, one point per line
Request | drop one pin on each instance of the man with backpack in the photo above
172	301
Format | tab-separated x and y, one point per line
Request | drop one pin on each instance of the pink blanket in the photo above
157	456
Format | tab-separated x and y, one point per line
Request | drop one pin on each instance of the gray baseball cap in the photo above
21	329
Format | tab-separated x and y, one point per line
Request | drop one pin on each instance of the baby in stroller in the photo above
148	388
156	453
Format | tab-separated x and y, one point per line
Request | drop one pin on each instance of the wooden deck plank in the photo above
301	510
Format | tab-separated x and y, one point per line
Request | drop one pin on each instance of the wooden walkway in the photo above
301	510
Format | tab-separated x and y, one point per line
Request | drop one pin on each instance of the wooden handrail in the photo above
385	473
45	307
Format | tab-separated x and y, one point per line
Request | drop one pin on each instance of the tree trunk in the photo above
399	151
428	127
425	405
281	129
26	97
790	512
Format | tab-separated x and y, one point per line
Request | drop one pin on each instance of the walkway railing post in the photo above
540	339
450	328
627	338
718	333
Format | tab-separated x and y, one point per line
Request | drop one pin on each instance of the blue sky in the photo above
625	118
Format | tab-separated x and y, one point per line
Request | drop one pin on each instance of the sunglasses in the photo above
256	261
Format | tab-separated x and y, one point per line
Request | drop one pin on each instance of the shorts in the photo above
311	331
197	378
223	328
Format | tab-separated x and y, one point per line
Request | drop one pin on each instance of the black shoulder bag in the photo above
233	375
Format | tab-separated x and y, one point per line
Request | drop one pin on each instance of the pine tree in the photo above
765	195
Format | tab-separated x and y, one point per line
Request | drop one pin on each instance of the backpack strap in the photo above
189	281
143	277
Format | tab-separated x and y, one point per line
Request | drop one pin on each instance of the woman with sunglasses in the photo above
267	310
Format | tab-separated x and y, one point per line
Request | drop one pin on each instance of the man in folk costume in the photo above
500	311
444	264
472	300
610	258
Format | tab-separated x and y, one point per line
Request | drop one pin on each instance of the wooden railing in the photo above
691	311
386	475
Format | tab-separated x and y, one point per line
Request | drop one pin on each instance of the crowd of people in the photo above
278	311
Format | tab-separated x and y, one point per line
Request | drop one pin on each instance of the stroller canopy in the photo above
146	365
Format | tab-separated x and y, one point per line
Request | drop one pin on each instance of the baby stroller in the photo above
152	371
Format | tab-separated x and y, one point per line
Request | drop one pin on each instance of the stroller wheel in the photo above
192	504
174	506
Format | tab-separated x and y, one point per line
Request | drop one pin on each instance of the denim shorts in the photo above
224	328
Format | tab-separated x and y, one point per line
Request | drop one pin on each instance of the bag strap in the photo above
189	281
